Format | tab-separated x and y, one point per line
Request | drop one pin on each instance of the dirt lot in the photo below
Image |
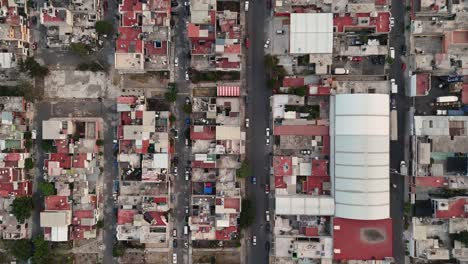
156	258
86	258
220	257
147	80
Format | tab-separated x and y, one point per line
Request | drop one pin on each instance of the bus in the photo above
393	125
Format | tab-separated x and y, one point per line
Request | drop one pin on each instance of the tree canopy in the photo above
22	207
21	249
103	27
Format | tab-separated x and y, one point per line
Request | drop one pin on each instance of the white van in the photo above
186	230
394	86
267	215
341	71
392	52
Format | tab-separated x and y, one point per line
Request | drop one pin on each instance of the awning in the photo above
228	91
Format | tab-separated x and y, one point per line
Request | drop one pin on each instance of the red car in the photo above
247	43
267	189
357	59
403	66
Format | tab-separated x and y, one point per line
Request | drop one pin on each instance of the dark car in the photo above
267	246
403	50
174	243
187	121
253	179
267	227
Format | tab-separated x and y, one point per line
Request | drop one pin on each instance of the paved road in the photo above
182	190
399	149
258	112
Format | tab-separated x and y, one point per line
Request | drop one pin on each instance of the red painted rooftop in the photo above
64	159
431	181
310	231
381	23
126	100
301	130
151	49
22	189
79	160
282	165
319	167
130	5
354	244
81	214
159	218
77	232
293	82
125	216
279	182
225	233
456	209
62	145
422	83
55	202
208	133
201	164
128	37
233	203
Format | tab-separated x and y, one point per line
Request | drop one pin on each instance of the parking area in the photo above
156	258
428	45
357	65
279	36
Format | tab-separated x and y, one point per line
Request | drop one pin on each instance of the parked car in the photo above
247	122
33	134
174	258
176	62
254	240
187	100
267	141
253	179
267	131
280	32
267	246
267	216
246	6
174	232
187	3
267	188
186	76
174	243
392	22
187	121
267	43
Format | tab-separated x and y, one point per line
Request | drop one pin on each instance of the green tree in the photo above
462	237
270	62
28	144
27	135
80	49
100	142
100	224
244	170
390	60
22	207
47	146
408	8
171	95
41	251
21	249
172	119
28	163
47	188
32	67
103	27
118	250
247	215
187	108
300	91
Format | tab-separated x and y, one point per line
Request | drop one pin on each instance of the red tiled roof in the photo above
130	5
282	165
125	216
12	157
456	209
234	48
301	130
362	239
311	231
460	37
293	82
77	232
315	183
55	18
319	167
151	49
193	30
326	145
225	233
422	83
79	160
233	203
63	158
144	147
55	202
465	93
6	174
128	41
21	189
431	181
81	214
158	218
62	145
207	133
160	200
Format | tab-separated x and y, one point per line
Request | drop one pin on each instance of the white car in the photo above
186	3
267	216
267	141
267	131
33	134
247	122
175	170
246	8
186	76
392	22
254	240
267	43
174	258
176	62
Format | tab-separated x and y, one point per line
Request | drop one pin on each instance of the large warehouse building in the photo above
360	160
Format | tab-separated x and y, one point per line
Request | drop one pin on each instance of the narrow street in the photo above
399	150
181	188
258	111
